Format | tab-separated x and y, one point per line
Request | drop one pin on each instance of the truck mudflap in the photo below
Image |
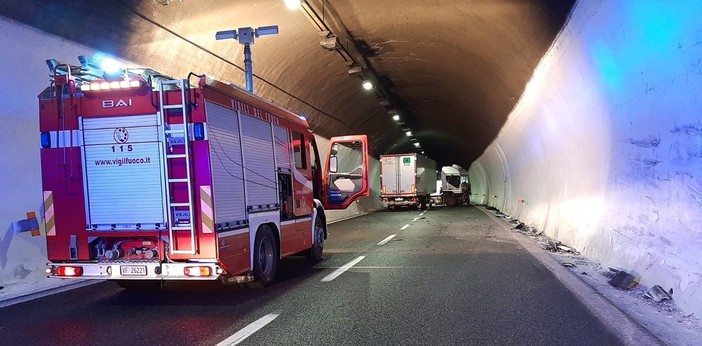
133	270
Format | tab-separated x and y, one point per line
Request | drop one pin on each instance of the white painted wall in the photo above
604	150
25	75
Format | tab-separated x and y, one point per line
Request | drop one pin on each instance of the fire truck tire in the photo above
450	200
315	253
140	285
265	260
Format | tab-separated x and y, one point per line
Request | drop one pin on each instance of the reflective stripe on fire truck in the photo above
66	138
49	213
206	207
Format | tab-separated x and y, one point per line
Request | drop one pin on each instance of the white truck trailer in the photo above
407	180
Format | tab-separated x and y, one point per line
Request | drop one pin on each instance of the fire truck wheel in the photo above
315	253
265	257
140	285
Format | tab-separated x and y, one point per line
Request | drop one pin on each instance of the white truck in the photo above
455	185
407	180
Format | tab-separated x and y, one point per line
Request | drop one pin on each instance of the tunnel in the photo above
580	119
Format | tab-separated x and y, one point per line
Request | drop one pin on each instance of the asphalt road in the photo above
450	276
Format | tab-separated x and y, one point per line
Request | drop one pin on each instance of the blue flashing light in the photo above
110	66
199	131
45	139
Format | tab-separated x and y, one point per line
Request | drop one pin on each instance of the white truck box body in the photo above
407	175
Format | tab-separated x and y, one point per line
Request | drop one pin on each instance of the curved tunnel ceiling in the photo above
454	69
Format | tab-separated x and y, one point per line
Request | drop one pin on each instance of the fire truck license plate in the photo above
132	270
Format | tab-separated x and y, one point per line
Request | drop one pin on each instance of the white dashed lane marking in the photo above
248	330
341	270
384	241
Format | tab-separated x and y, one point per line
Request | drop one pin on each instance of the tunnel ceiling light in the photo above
367	85
396	117
422	152
329	41
355	71
293	4
416	144
408	133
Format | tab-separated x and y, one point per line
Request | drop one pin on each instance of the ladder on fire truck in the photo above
172	134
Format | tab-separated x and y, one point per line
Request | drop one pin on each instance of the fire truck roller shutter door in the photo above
227	170
259	162
123	171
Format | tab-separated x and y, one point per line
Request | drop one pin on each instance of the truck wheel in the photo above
315	253
422	203
140	285
265	260
450	200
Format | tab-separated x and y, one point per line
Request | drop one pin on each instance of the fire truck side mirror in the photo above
333	165
346	177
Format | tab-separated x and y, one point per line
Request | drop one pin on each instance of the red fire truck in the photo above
148	178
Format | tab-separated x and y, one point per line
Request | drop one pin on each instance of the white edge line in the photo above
405	226
384	241
341	270
248	330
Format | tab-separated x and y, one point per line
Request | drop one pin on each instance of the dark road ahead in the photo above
449	276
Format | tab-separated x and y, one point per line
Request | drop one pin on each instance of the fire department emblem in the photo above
121	135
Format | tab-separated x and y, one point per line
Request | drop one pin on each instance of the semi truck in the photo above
148	178
455	186
407	180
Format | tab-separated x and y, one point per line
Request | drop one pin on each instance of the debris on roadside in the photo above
658	294
552	245
629	294
565	248
621	279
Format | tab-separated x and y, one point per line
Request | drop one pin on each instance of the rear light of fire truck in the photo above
70	271
197	271
125	84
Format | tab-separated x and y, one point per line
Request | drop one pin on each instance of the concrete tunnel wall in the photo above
25	75
604	150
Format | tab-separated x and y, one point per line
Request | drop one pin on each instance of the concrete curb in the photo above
354	216
47	292
617	321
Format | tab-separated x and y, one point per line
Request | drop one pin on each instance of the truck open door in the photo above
346	174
